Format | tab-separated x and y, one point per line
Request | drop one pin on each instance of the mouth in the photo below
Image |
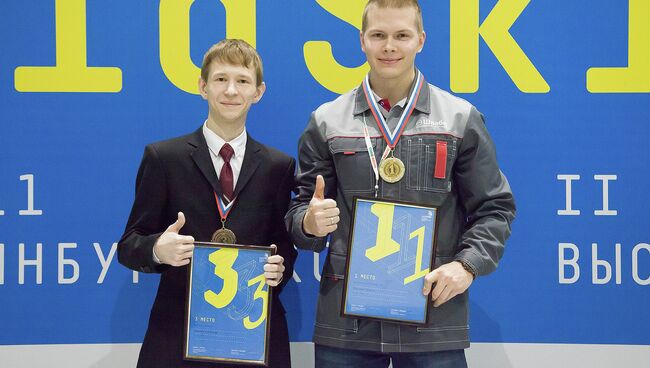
230	104
389	61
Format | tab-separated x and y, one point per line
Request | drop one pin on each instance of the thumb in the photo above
176	226
319	191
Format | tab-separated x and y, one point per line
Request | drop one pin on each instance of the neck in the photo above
394	89
227	131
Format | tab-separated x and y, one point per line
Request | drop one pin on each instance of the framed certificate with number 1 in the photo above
391	248
228	304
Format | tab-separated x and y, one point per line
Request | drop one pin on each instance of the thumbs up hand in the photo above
322	215
172	248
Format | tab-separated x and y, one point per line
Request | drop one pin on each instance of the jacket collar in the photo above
201	156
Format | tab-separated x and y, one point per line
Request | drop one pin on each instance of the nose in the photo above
388	45
231	90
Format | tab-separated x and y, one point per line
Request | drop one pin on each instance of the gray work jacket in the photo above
475	203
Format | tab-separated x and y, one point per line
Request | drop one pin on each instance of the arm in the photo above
486	198
144	227
314	159
489	210
143	231
280	237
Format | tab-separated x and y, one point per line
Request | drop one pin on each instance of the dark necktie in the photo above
226	178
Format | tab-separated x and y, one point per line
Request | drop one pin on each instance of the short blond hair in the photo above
233	52
382	4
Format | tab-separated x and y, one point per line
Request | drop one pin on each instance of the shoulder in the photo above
448	101
343	104
274	156
450	113
176	145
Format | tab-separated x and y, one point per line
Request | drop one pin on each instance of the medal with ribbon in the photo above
391	169
224	235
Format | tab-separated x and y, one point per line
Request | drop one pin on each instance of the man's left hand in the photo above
451	279
273	270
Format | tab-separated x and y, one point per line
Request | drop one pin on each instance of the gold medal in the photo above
224	236
391	169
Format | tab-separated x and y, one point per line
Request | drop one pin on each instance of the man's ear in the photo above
202	88
260	92
363	48
422	37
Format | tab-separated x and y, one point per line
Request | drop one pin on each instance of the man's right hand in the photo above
172	248
322	215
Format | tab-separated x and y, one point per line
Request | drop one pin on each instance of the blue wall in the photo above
83	150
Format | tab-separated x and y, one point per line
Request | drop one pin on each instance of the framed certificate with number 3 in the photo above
228	304
391	248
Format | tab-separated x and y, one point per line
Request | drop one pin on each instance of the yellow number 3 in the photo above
259	293
223	260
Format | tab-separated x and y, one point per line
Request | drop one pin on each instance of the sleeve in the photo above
280	237
314	159
135	248
486	198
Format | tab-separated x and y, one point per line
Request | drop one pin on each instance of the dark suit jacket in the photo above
178	175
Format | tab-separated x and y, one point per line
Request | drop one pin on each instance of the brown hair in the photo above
382	4
233	52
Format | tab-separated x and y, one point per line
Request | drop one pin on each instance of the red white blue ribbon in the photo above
393	137
224	209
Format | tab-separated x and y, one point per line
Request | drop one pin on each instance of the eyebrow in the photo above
404	30
218	74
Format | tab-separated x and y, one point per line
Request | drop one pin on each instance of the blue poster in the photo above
228	304
390	253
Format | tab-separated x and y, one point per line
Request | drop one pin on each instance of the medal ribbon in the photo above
224	209
393	137
371	154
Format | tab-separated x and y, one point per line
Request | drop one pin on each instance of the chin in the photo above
389	72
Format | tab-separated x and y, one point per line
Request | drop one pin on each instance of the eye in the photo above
244	81
377	35
220	79
402	36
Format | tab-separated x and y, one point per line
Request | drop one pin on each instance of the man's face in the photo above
230	91
391	41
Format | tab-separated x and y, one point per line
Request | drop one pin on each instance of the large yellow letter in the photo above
636	77
384	244
465	32
318	54
175	37
71	73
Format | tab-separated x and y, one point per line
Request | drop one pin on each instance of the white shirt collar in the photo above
215	142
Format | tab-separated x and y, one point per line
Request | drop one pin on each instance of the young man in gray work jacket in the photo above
448	161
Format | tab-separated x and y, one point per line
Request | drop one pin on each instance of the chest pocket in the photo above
431	159
353	169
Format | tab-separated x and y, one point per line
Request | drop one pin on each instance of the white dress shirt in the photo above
214	145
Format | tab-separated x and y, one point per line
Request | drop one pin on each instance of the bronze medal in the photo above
224	236
391	169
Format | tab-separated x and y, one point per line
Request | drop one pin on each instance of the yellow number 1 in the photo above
385	245
71	73
418	257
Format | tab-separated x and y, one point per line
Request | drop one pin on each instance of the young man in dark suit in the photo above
178	186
